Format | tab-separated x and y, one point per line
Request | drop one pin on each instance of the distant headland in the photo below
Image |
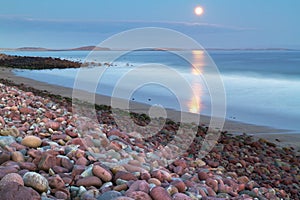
96	48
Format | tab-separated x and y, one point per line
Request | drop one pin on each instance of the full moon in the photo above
198	10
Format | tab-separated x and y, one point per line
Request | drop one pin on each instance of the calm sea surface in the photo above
262	87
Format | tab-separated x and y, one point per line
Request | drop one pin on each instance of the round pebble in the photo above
102	173
31	141
17	156
36	181
159	193
12	177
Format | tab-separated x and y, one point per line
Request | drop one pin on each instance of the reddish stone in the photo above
8	169
10	163
116	132
34	153
58	137
212	183
256	145
28	165
89	181
157	174
2	121
211	192
189	183
102	173
60	119
145	176
56	182
49	115
59	169
12	177
243	179
125	176
77	170
202	175
4	156
213	164
47	161
67	180
243	163
78	141
250	185
115	146
181	163
159	193
202	192
139	185
61	195
287	180
180	185
22	172
26	111
240	187
79	153
179	170
139	195
286	168
71	133
53	125
66	163
82	161
14	190
181	196
17	146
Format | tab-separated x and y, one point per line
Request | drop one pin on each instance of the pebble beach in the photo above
44	156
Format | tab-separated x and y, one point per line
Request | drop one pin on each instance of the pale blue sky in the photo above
225	23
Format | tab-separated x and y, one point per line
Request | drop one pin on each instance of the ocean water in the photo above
261	87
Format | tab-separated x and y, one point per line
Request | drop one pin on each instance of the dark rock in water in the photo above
30	62
13	191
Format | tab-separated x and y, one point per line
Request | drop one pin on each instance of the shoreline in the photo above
284	138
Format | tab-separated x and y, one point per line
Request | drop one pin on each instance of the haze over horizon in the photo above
236	24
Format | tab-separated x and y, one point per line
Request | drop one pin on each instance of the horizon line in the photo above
97	48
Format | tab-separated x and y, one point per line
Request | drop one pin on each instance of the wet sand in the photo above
279	137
